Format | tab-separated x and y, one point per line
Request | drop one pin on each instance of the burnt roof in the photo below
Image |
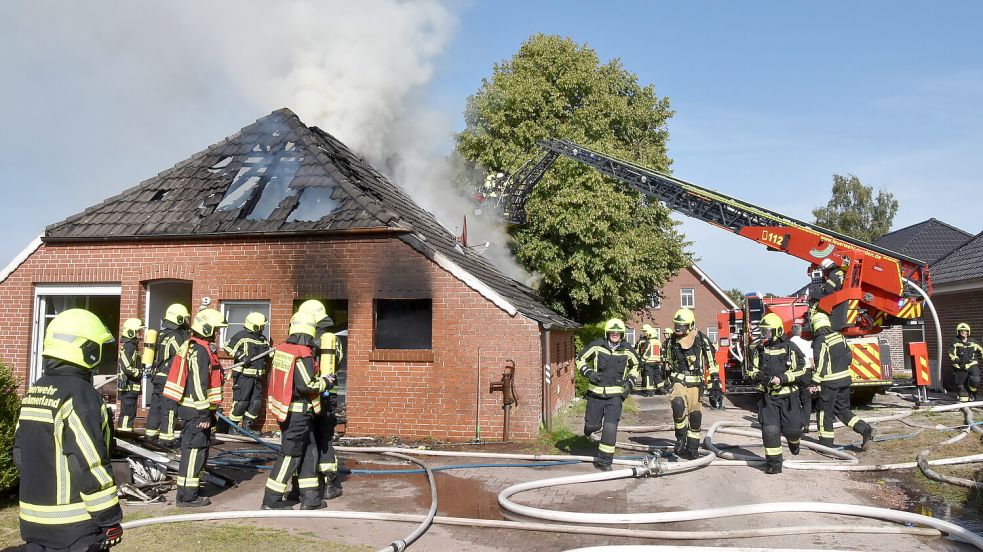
279	176
928	241
965	263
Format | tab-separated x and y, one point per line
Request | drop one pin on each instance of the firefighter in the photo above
833	357
194	383
777	364
295	390
68	498
329	354
129	376
832	278
663	357
689	357
611	368
648	350
966	355
805	381
171	338
247	379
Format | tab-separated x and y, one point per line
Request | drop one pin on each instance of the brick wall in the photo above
412	394
953	308
707	304
894	338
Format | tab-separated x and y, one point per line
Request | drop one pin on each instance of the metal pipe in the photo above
938	326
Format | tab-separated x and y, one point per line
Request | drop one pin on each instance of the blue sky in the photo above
771	99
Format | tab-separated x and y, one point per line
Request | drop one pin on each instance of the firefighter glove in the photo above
114	536
592	376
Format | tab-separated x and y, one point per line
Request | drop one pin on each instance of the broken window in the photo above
313	205
263	181
403	323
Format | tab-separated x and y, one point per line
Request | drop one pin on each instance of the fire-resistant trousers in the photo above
603	414
247	399
779	415
834	403
92	542
298	453
127	409
805	402
651	380
687	417
194	452
324	426
967	383
163	412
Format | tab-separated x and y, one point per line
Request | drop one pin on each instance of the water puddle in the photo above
917	500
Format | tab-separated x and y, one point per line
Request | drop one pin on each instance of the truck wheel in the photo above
862	396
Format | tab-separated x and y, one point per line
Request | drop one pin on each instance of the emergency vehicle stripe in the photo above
88	449
868	366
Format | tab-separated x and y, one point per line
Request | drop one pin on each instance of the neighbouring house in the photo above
690	288
279	213
930	241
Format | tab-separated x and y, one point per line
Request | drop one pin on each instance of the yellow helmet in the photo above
827	264
647	329
303	323
131	326
178	314
773	323
683	321
667	332
963	326
315	308
615	325
254	322
206	321
76	336
820	321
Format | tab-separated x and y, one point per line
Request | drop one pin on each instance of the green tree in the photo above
9	407
735	295
599	249
853	210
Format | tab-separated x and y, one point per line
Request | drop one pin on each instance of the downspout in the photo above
477	401
547	379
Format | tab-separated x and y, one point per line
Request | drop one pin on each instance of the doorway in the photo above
160	295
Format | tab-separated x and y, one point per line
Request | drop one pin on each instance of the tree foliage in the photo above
853	210
735	295
9	407
599	249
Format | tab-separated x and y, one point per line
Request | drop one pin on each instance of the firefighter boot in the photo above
680	446
196	503
333	487
794	447
773	467
275	505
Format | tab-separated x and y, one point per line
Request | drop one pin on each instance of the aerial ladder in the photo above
880	287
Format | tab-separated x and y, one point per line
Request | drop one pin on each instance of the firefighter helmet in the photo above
667	332
820	321
131	326
647	329
615	325
207	321
963	326
254	322
177	314
772	326
827	264
683	321
76	336
303	323
316	308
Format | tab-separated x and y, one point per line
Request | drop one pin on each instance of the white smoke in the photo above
359	70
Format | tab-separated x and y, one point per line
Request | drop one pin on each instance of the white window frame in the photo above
40	307
682	298
655	300
223	335
630	336
712	335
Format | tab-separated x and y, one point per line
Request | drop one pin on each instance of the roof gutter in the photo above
20	258
713	285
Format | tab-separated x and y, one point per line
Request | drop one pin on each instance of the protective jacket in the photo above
650	351
243	346
833	358
779	358
129	374
195	378
608	369
170	343
690	359
61	449
295	385
965	355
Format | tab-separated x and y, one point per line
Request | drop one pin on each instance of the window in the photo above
712	335
687	298
654	300
100	300
403	323
630	336
235	313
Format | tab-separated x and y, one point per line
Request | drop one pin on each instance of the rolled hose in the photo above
923	463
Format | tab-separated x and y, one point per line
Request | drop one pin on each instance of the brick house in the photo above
279	213
690	288
931	241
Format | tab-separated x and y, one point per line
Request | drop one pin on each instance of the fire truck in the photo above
881	288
